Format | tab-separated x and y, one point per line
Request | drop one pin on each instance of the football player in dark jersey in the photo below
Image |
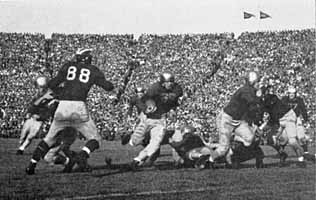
298	106
160	98
78	77
40	111
243	101
286	133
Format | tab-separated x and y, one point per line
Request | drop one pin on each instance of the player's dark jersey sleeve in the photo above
303	109
131	105
102	82
62	74
176	93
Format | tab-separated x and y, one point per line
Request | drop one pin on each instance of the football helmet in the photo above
252	78
167	80
187	129
41	82
139	89
84	56
291	92
166	77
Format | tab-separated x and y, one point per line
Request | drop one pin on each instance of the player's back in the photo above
78	78
239	102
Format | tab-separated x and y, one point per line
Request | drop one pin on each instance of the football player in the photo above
286	133
40	111
191	150
230	120
160	98
298	106
78	77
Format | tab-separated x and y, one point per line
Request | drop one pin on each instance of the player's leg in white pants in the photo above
288	125
32	128
301	135
225	125
157	132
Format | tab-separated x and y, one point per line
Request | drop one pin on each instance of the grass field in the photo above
159	182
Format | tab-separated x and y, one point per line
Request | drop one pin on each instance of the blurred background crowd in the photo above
283	58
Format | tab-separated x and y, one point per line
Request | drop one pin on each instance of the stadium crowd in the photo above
283	58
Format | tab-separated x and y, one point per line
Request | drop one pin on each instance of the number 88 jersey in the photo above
78	78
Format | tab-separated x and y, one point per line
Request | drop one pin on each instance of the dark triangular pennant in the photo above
264	15
248	15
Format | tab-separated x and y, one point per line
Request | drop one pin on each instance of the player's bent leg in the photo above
225	125
24	132
298	150
33	131
38	153
89	131
156	136
44	146
223	147
138	135
244	134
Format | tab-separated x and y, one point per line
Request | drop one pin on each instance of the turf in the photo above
162	181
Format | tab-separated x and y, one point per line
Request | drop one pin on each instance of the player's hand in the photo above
266	117
28	116
170	140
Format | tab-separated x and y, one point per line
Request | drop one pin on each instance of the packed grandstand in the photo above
283	58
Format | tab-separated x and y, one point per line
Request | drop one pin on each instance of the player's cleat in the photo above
134	165
301	164
30	170
68	167
125	139
201	163
19	152
283	157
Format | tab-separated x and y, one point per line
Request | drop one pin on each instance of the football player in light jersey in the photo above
41	109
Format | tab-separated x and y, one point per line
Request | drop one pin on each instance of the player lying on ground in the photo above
40	111
191	150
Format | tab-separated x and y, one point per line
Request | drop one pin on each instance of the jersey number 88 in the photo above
83	76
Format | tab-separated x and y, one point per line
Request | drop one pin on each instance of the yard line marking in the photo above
147	193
